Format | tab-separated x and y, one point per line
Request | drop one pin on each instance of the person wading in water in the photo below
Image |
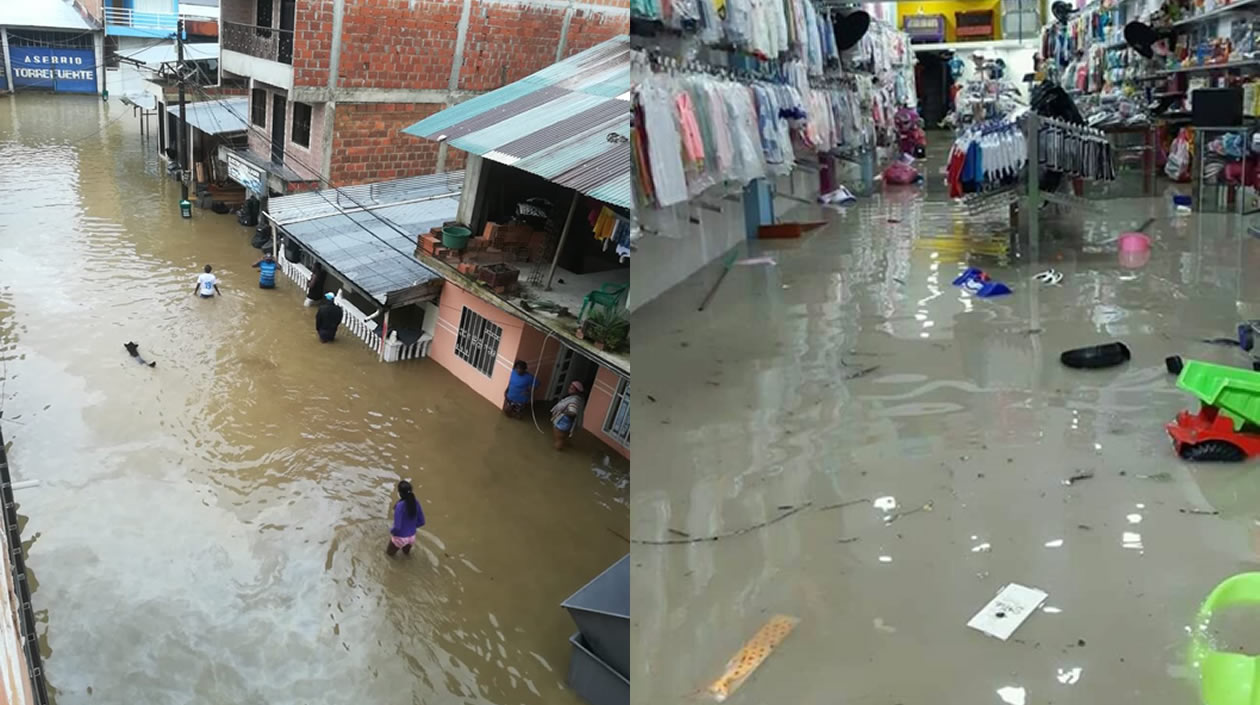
266	272
315	290
327	318
407	518
564	415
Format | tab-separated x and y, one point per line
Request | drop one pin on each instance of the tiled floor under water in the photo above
853	371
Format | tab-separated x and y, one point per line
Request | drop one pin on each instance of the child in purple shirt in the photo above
407	518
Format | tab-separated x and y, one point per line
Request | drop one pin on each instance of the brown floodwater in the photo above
212	530
852	371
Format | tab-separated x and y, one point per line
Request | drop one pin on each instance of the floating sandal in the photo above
1050	277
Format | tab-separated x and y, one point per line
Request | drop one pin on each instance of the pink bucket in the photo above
1134	242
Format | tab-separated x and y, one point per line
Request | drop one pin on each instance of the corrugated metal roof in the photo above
378	262
51	14
555	123
215	117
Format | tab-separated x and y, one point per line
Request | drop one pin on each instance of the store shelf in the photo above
1204	68
1214	13
1030	43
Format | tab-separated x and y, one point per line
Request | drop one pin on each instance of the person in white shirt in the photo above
207	284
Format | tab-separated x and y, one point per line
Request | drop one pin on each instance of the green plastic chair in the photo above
1226	678
608	296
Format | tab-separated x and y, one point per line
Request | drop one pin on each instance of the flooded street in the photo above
880	452
212	530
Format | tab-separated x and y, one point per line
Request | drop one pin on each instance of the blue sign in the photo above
54	69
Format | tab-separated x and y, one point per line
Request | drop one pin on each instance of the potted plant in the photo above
616	332
592	327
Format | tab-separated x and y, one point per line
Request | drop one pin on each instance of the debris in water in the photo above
1232	342
133	349
1084	527
880	626
897	515
1158	477
1204	512
1007	611
651	398
753	261
1079	477
850	539
715	537
1096	356
840	505
754	653
861	372
676	532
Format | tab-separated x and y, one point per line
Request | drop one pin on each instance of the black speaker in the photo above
1216	107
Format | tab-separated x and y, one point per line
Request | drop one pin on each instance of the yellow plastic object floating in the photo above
754	653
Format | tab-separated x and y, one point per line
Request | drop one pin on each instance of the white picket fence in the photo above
362	325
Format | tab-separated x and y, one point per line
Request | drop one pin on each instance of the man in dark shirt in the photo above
327	318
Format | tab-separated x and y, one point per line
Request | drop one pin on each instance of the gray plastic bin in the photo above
602	613
593	680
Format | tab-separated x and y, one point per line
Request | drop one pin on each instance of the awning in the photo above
216	117
50	14
569	123
353	241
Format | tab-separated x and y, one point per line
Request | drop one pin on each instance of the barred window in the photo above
617	424
478	341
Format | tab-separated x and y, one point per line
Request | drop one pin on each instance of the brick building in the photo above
333	82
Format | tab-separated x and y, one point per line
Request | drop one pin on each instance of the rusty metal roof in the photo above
568	123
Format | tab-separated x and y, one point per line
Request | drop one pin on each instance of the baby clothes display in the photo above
986	156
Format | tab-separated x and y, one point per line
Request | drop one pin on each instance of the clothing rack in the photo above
1033	124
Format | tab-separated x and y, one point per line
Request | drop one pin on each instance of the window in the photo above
478	341
302	124
258	107
617	424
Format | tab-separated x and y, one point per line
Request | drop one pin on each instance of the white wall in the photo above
662	261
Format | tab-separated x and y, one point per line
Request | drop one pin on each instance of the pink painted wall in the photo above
597	403
450	307
520	341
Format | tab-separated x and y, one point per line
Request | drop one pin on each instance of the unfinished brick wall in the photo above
369	145
588	28
312	38
392	45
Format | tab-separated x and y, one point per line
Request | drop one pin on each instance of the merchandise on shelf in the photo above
712	115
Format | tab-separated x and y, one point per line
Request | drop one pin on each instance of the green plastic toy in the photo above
1226	678
1233	390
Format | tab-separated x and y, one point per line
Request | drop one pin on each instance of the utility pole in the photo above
184	166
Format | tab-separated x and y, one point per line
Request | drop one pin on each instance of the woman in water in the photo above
407	518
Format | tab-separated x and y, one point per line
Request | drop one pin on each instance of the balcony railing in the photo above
261	42
125	17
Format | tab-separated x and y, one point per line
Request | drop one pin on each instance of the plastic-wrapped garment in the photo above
767	116
749	157
812	45
707	173
723	157
683	15
651	9
692	142
738	25
664	143
710	30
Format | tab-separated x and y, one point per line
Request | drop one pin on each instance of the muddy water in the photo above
954	452
211	530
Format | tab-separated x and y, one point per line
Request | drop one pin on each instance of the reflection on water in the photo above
212	529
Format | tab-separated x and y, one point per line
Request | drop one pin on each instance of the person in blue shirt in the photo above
520	390
266	272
